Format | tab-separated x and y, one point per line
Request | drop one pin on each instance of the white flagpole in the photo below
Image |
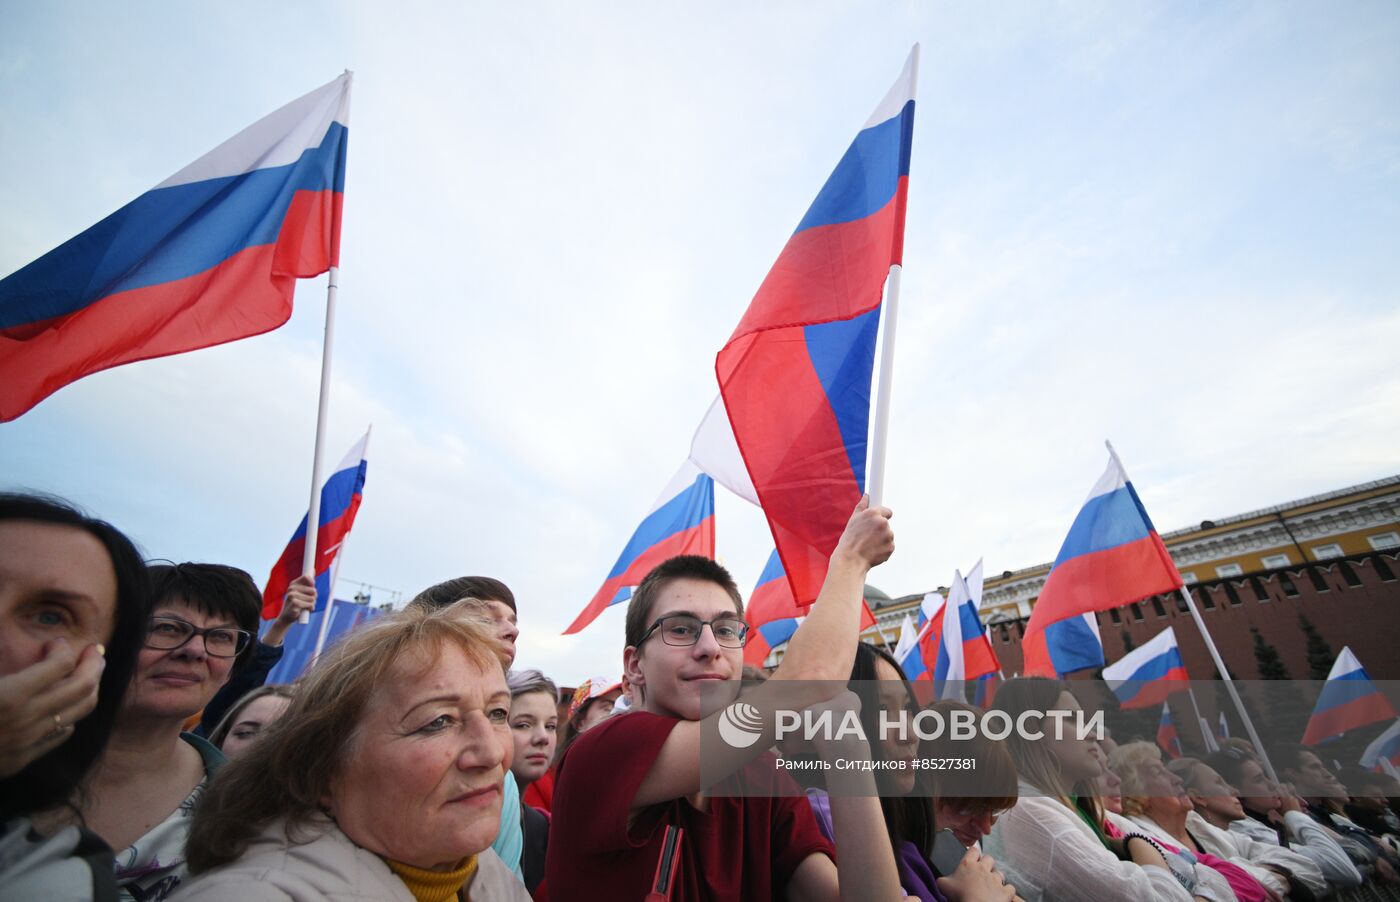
882	397
313	513
1201	721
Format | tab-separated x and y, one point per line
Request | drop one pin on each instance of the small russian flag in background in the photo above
210	255
1167	737
1349	700
1146	676
340	501
682	521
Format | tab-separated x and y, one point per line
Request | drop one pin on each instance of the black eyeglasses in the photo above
170	633
684	629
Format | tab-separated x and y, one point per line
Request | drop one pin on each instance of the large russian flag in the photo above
774	615
340	501
1111	557
210	255
1349	700
682	521
795	375
1147	675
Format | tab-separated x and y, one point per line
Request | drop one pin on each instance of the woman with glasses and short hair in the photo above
144	788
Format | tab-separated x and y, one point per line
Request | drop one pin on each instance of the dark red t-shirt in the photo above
741	848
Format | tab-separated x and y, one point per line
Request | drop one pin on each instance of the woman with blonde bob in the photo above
382	781
1052	844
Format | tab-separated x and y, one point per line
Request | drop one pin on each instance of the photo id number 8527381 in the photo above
945	764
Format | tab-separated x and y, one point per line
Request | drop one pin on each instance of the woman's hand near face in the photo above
975	880
40	704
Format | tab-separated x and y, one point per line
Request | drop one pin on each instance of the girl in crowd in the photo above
914	812
383	781
1052	844
534	724
630	805
150	777
73	608
249	716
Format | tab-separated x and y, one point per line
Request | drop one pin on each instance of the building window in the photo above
1225	570
1275	561
1261	594
1349	575
1207	600
1384	569
1181	603
1288	588
1137	612
1324	552
1021	628
1384	540
1188	577
1231	594
1319	583
1005	635
1157	606
1114	615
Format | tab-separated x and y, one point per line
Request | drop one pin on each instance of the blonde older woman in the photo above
382	781
1156	803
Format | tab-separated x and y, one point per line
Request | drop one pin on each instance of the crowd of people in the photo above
143	758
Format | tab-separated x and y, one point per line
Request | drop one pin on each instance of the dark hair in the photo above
484	588
1287	754
685	566
908	818
1229	764
56	776
216	589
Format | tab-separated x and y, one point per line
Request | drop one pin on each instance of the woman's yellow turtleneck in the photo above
434	886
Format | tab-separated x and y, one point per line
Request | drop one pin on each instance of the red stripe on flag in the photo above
1101	580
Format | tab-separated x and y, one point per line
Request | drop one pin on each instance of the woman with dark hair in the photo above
145	787
1052	844
249	716
913	809
73	609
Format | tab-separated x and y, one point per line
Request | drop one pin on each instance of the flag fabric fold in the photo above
1112	556
682	521
1146	676
964	653
1349	700
1385	747
795	376
340	502
210	255
773	614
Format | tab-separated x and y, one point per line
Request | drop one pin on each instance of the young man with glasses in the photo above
145	786
629	811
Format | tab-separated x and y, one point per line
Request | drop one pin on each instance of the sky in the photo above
1169	225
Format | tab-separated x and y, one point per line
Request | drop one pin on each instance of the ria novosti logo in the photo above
740	725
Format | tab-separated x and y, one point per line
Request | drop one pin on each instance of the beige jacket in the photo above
330	868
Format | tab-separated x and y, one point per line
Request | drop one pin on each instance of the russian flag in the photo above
340	500
1147	675
301	638
210	255
920	657
795	375
963	650
986	690
1111	557
682	521
1349	700
1167	737
773	614
1385	747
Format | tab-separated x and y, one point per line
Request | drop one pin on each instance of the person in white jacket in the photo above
1051	844
1217	807
1277	817
382	781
